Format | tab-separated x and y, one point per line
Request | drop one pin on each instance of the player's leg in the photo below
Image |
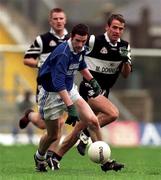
70	139
33	117
51	109
55	146
107	113
61	132
88	117
51	136
68	142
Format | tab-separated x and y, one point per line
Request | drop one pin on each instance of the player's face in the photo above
78	42
57	21
115	30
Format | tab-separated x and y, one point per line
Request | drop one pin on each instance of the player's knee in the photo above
115	115
61	123
42	126
93	123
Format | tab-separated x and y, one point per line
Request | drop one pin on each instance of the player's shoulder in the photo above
45	35
95	39
62	48
100	37
67	36
124	42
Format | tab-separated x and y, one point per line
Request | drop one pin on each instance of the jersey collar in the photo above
108	40
54	33
71	47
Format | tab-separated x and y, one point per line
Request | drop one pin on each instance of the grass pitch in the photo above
142	163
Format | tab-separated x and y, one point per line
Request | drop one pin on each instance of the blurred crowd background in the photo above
137	97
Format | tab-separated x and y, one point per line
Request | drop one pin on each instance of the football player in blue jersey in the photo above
36	55
59	92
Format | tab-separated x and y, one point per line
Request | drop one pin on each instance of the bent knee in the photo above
61	121
42	126
115	115
93	123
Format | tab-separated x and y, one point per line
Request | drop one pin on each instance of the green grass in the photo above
143	163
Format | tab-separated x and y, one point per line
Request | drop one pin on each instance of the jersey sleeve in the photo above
35	48
129	54
90	43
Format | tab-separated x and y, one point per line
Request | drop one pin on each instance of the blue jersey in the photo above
57	73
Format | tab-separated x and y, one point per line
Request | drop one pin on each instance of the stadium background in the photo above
138	97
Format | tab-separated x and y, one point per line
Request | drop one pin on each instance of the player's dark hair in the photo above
80	29
118	17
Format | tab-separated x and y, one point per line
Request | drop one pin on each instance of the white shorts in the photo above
50	104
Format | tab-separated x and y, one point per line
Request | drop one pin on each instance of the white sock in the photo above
39	156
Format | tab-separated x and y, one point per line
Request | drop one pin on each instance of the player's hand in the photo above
124	54
72	115
96	87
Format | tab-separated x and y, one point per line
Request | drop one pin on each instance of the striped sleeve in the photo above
35	49
91	43
129	54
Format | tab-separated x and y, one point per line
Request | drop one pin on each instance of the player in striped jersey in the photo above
39	51
109	56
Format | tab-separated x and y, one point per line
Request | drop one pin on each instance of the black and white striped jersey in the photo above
43	45
104	59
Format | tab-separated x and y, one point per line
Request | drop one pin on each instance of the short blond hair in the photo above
55	10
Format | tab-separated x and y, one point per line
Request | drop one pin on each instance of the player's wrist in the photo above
128	62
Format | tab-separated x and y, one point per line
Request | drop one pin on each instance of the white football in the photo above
99	152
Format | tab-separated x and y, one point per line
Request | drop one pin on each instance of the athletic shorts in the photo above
50	104
86	91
